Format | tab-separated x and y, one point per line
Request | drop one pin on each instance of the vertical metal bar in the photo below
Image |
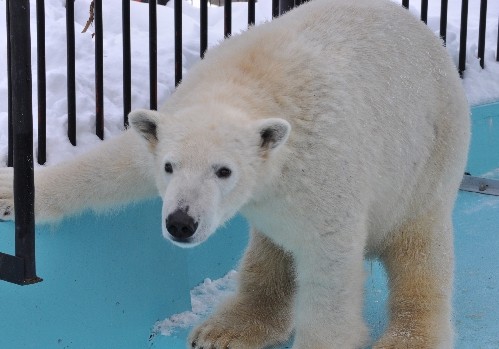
178	40
99	70
275	8
227	18
481	32
127	62
424	11
10	138
42	85
70	38
203	27
405	3
497	50
251	12
24	193
443	20
285	6
153	56
463	37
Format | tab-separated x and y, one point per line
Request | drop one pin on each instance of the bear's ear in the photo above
145	123
273	133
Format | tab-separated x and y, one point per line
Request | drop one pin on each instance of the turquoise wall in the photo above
484	149
107	279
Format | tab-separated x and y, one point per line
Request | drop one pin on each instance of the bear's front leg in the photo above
330	275
260	314
114	173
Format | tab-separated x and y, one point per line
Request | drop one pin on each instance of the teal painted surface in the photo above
484	148
107	280
219	254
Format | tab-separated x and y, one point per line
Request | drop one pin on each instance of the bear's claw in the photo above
218	333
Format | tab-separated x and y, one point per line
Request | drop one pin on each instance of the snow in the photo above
204	299
482	86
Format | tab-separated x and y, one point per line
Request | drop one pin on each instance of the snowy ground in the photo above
481	85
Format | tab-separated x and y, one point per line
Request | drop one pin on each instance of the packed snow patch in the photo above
204	299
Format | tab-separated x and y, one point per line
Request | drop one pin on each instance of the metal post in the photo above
127	62
178	40
275	8
203	27
443	20
99	70
227	18
21	269
10	151
153	56
285	6
481	32
71	70
251	12
497	51
424	11
42	85
463	37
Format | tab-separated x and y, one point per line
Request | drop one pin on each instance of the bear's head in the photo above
209	163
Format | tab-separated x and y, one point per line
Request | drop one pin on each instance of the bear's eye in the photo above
168	167
223	172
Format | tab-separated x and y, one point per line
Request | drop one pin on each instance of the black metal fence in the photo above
21	267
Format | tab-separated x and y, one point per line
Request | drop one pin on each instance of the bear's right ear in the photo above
145	123
273	133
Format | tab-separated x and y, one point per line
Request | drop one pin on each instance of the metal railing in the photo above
21	267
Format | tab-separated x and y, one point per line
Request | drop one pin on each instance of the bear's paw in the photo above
6	194
220	333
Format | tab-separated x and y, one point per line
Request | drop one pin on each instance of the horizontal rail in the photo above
480	185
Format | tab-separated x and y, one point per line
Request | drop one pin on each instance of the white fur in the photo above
370	131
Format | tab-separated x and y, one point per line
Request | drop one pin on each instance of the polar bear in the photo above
340	131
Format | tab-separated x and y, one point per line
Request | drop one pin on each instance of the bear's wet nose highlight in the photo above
180	225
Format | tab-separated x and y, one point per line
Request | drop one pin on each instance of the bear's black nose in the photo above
180	225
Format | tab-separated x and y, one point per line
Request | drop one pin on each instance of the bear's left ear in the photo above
273	133
145	123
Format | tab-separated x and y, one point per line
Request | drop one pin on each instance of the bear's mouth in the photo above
186	241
